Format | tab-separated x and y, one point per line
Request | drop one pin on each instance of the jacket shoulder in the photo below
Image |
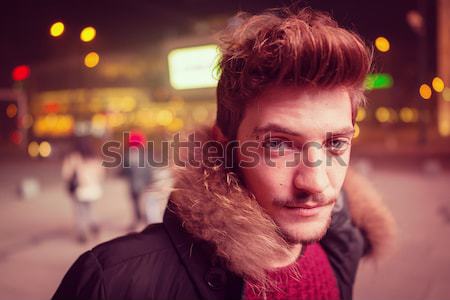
152	240
134	266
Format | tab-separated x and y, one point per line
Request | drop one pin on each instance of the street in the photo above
38	244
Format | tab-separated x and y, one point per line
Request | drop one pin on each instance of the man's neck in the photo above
295	251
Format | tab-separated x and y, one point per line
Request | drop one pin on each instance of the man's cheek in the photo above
337	178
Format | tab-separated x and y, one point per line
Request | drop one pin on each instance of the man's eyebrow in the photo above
344	131
271	127
276	128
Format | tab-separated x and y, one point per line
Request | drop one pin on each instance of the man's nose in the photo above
311	175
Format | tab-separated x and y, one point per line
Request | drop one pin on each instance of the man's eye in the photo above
338	146
277	144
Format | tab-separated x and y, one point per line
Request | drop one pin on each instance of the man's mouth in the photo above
304	210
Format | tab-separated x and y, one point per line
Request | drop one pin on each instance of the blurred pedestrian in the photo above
157	195
138	174
83	174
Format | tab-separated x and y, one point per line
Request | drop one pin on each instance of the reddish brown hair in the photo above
305	48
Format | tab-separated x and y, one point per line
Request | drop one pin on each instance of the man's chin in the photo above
304	233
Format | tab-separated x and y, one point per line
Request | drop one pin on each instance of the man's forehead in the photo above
296	112
300	132
291	92
282	100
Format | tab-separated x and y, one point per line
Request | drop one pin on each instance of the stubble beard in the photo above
294	239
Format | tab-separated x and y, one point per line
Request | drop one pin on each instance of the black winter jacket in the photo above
166	262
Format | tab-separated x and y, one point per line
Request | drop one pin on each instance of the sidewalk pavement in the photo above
38	245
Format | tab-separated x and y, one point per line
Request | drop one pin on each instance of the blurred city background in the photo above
77	71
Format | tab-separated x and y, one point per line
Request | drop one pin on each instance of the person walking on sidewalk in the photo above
83	174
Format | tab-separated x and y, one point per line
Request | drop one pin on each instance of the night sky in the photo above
122	25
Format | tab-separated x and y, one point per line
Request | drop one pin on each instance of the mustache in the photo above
319	199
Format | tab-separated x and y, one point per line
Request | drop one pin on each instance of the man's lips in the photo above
303	210
305	206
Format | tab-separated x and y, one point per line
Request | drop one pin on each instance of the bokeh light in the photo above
57	29
176	125
382	44
33	149
357	131
45	149
164	117
438	84
88	34
16	137
116	120
446	94
21	73
382	114
425	91
91	59
53	125
361	114
408	114
11	110
27	121
444	128
99	123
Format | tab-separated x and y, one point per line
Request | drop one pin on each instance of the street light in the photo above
382	44
438	84
425	91
382	114
45	149
21	72
57	29
33	149
88	34
91	59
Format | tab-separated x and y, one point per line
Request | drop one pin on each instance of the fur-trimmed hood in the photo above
213	205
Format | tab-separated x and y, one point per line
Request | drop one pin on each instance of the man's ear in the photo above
218	135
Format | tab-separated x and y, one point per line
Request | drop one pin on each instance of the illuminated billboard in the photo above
193	67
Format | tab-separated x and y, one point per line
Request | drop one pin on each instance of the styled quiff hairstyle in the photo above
303	48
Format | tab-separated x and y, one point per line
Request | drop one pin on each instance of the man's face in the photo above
304	149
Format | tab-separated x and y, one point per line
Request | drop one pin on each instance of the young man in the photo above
269	219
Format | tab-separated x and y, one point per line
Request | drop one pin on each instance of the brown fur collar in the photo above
370	214
214	206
